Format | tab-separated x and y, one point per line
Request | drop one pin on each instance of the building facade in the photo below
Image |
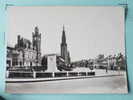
25	53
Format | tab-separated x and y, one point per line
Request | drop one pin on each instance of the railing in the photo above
13	74
20	75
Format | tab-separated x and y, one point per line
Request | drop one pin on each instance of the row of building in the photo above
111	62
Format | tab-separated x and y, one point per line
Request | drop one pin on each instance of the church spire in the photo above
63	28
63	36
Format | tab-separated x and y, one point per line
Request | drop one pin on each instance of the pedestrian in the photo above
106	70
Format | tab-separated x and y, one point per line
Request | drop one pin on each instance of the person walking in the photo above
106	69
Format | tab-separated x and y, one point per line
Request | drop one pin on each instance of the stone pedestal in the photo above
52	65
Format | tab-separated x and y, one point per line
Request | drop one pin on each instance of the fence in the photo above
13	74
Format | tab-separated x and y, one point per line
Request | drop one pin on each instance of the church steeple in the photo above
63	36
64	54
36	42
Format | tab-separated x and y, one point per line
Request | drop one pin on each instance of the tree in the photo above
44	63
100	57
121	61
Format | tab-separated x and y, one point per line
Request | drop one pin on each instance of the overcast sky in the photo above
89	30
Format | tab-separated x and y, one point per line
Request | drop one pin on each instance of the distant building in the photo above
25	53
112	62
106	62
64	52
101	62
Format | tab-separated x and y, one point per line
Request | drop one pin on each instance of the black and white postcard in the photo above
66	49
